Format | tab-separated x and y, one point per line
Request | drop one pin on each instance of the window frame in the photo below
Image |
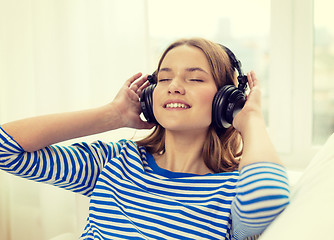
291	81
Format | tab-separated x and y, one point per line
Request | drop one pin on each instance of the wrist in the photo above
246	123
110	117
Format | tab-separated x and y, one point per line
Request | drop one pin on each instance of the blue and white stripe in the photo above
262	193
132	198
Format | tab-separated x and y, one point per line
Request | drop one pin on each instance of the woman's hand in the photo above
127	104
251	113
257	145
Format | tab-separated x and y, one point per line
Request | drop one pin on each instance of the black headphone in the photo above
228	101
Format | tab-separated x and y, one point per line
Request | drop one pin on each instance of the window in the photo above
245	30
323	75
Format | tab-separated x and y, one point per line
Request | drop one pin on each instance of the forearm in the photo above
38	132
124	111
257	145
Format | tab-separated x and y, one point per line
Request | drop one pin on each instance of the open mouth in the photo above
176	105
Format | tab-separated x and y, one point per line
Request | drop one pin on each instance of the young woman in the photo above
187	180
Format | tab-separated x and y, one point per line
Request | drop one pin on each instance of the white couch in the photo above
310	214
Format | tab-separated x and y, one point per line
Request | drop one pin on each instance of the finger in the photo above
139	85
145	85
256	81
134	87
132	79
139	90
134	96
142	80
250	80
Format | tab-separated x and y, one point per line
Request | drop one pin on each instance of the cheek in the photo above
155	98
204	100
206	97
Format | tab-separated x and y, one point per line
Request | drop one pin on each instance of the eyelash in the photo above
196	80
163	80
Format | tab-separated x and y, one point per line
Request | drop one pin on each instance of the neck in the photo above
183	153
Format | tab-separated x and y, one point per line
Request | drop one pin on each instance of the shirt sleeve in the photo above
262	194
74	168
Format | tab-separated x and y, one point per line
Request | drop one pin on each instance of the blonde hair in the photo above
222	148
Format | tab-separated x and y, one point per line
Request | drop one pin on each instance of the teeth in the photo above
176	105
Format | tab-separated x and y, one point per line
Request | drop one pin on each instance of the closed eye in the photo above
196	80
164	80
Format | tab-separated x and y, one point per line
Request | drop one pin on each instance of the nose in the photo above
176	87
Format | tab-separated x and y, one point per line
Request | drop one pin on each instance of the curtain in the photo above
57	56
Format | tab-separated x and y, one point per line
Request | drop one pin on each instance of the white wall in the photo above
55	56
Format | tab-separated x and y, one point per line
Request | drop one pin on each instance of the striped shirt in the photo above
131	197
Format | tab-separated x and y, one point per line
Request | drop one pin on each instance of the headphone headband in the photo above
242	78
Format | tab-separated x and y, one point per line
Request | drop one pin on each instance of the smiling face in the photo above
182	99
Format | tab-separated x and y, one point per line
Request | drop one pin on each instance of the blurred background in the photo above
65	55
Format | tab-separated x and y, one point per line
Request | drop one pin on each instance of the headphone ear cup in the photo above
219	106
227	102
146	103
236	102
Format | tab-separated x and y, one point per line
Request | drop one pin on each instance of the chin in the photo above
184	126
183	123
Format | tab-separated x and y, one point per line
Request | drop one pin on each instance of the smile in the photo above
176	105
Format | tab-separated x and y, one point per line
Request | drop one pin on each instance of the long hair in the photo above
222	148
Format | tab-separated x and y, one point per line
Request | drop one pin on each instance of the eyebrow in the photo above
191	69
